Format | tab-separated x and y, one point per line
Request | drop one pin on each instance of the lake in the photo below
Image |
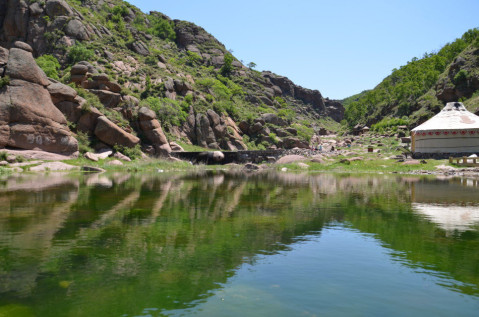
235	244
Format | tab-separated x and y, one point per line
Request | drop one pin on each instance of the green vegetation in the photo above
169	112
388	123
162	28
78	53
227	67
304	132
83	142
133	153
400	93
4	81
50	65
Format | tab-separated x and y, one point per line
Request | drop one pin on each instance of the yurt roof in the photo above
453	116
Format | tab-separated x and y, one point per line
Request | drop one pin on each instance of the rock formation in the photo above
28	118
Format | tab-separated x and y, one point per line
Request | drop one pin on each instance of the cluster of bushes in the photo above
50	65
78	53
162	28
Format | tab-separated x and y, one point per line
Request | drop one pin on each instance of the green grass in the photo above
142	165
192	148
378	165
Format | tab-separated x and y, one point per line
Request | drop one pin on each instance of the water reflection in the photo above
112	245
452	204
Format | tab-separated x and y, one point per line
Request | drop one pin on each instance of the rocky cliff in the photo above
127	78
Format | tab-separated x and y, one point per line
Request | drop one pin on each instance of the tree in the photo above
227	66
251	65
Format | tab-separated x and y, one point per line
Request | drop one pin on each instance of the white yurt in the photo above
453	130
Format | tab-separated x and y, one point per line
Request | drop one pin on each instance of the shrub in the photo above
83	142
132	152
4	81
50	65
79	53
461	77
192	58
287	114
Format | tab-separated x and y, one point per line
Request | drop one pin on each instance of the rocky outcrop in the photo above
28	21
205	137
288	88
461	80
151	128
140	48
213	131
86	76
28	118
334	109
191	36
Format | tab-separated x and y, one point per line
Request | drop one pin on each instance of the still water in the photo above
225	244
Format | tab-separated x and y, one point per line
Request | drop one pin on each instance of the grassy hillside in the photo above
419	89
178	70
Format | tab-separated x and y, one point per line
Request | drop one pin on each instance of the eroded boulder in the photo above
29	120
111	134
21	65
58	8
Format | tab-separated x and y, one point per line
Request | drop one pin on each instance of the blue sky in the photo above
339	47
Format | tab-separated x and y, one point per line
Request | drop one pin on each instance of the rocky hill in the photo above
416	91
111	75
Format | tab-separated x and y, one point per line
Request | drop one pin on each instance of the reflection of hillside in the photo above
152	229
173	239
28	225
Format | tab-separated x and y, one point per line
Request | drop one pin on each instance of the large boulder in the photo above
293	158
29	120
88	120
76	29
60	92
111	134
21	65
108	99
140	48
273	119
292	142
58	8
